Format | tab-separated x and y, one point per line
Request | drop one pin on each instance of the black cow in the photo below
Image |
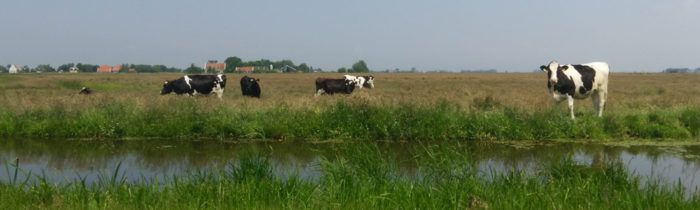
250	87
332	86
85	91
196	84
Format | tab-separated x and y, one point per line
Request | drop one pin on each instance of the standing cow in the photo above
578	81
250	87
196	84
362	81
332	86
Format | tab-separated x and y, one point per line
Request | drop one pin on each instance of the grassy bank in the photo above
402	107
341	120
361	176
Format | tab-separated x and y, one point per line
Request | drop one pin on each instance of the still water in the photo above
66	160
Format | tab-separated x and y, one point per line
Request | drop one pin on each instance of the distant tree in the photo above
3	69
26	68
65	67
86	67
45	68
360	67
125	68
697	70
160	68
194	69
171	69
342	70
677	70
303	67
232	63
143	68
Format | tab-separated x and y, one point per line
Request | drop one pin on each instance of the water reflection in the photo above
66	160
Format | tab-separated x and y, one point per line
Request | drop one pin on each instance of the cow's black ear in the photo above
543	68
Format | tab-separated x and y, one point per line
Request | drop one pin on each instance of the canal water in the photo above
67	160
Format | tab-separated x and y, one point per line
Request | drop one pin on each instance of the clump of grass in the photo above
71	84
442	121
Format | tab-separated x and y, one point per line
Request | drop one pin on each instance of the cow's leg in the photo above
219	91
570	99
602	95
596	102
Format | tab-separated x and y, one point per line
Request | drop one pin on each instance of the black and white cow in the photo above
332	86
362	81
196	84
578	81
85	91
250	87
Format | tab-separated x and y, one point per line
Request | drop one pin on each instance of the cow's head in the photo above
552	69
370	81
221	80
350	85
167	88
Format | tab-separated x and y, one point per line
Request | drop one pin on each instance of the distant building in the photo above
73	69
287	68
252	68
117	68
14	69
213	64
108	69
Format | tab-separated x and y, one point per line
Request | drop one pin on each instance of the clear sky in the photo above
631	35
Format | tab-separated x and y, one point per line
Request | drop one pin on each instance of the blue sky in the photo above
631	35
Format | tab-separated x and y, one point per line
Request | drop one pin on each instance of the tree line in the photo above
262	66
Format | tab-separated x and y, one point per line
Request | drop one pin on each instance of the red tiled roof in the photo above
244	68
104	68
117	68
215	66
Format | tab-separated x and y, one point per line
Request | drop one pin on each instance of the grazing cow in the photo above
250	87
196	84
362	81
332	86
578	81
85	91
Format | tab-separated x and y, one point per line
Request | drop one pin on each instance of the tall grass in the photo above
341	120
361	176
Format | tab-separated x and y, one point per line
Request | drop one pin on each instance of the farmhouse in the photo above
252	68
14	69
215	65
73	69
108	69
104	69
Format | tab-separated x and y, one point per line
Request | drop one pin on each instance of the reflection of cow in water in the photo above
196	84
332	86
85	91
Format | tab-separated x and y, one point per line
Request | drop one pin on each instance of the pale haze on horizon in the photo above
513	36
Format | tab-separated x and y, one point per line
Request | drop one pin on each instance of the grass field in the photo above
448	107
402	106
